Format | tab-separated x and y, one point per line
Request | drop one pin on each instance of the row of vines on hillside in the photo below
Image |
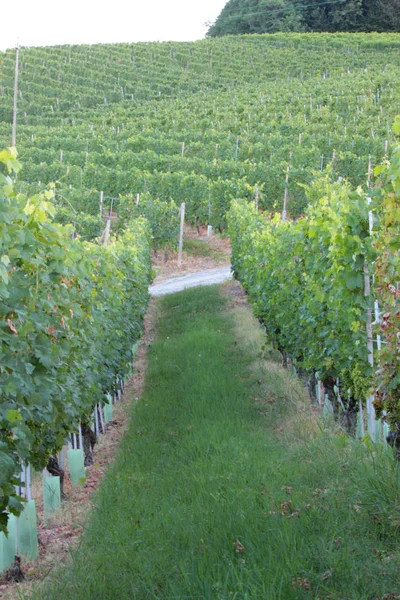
387	289
307	282
70	312
200	123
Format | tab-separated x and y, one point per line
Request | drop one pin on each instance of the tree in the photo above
343	15
270	16
256	16
383	15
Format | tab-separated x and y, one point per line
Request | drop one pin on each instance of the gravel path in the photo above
177	284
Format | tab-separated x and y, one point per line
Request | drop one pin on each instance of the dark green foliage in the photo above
344	15
85	226
162	217
269	16
70	312
383	15
256	16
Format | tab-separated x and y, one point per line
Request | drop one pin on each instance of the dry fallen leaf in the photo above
338	541
285	507
327	574
296	513
300	582
239	547
12	327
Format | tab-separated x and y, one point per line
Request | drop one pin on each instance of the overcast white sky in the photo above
50	22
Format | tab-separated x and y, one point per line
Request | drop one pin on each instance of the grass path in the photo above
225	488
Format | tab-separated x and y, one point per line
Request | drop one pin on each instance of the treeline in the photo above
271	16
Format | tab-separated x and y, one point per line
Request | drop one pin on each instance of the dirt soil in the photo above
58	536
199	253
235	293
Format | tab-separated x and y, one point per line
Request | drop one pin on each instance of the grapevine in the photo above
70	313
306	280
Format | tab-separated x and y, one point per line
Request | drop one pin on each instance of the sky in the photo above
53	22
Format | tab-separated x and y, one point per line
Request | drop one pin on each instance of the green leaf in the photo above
354	281
4	274
13	415
29	368
396	125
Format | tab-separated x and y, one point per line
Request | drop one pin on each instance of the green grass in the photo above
202	248
226	488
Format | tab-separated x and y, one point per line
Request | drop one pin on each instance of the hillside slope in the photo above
200	122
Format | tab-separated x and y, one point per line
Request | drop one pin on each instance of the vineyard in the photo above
65	340
201	122
287	141
325	288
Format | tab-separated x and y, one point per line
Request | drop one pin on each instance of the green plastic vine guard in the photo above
378	432
385	433
76	464
328	408
108	410
359	432
27	531
8	545
51	494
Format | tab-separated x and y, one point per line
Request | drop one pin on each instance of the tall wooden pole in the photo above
285	197
101	204
182	212
370	339
14	127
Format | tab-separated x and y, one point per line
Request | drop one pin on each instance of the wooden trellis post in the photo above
285	197
370	339
14	126
182	213
101	204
